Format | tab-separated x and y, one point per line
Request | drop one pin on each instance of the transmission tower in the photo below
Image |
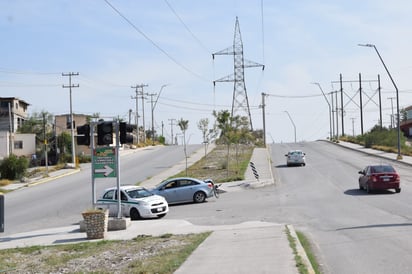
240	100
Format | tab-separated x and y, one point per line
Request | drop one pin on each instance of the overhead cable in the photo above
153	43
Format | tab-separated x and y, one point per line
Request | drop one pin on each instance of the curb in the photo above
373	154
48	179
300	250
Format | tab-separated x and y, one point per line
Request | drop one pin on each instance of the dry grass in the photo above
143	254
215	164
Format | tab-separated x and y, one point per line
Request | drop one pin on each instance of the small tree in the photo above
184	124
208	134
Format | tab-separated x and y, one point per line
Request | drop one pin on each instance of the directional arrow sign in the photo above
106	170
104	162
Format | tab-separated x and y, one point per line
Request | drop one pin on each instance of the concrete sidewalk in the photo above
389	156
250	247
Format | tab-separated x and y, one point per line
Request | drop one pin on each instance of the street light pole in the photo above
330	110
397	98
294	127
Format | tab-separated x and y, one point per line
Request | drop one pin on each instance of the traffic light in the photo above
83	135
105	133
69	125
124	128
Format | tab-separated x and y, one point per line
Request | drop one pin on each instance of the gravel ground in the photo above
134	256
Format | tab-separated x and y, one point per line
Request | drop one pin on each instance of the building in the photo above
406	126
62	123
17	144
13	113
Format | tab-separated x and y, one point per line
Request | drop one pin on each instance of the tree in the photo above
183	125
41	124
233	130
223	121
208	134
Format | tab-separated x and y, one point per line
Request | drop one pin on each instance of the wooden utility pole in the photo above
136	88
70	86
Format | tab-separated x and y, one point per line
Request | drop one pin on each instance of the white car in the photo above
137	202
295	158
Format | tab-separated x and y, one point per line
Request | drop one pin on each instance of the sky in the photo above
167	45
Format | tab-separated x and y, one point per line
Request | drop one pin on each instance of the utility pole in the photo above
171	128
337	115
46	160
380	101
393	115
341	104
136	88
263	118
353	126
360	102
70	86
144	123
333	114
360	105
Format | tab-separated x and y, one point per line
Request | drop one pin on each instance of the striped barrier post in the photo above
252	165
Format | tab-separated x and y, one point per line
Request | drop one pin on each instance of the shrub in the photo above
13	167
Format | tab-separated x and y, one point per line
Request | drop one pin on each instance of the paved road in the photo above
352	232
60	201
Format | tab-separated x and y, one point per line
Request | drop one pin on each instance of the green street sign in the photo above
104	162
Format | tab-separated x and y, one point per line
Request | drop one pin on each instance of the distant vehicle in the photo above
137	202
184	189
295	158
379	177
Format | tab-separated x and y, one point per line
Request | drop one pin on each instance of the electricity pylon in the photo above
240	100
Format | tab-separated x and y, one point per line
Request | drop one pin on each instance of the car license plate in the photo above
159	209
386	179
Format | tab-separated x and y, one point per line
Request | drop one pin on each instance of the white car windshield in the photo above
139	193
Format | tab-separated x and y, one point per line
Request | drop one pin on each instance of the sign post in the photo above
104	162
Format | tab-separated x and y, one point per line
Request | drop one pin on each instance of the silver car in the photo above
137	202
184	189
295	158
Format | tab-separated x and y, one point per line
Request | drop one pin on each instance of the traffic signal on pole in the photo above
83	135
105	133
124	129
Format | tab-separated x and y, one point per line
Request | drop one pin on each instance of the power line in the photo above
295	96
4	70
187	28
153	43
191	102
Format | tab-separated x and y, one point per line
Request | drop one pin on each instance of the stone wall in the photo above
96	223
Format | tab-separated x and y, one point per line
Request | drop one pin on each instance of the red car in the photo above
379	177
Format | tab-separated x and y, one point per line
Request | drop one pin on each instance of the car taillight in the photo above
374	178
210	185
397	178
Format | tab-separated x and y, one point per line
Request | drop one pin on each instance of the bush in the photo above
13	167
